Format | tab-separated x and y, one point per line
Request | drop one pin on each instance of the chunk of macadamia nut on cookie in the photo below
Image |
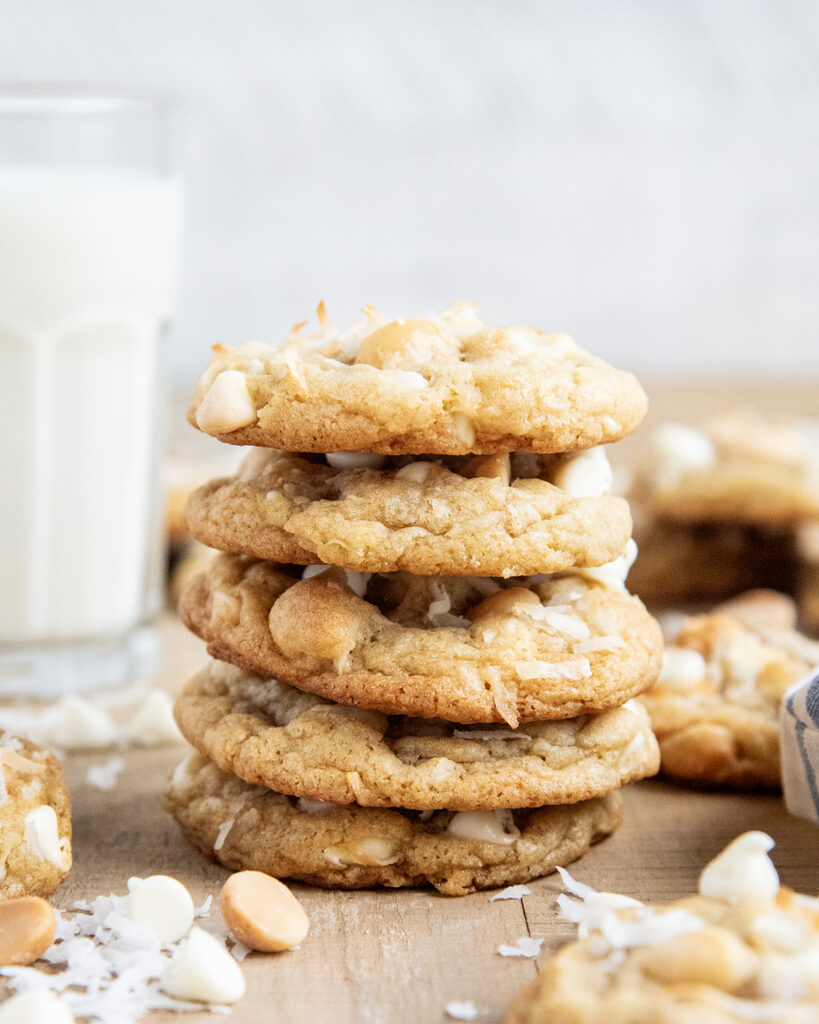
412	344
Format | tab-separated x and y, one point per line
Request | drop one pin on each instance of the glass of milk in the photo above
89	245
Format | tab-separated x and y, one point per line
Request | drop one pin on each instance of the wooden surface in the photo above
386	957
395	957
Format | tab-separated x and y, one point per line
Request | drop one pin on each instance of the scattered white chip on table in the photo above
35	1007
202	970
162	905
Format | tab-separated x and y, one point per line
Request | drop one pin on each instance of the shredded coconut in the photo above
109	966
106	775
488	735
577	668
598	913
511	892
462	1011
558	620
223	833
599	643
441	602
525	946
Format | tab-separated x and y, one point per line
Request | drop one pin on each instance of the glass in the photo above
89	244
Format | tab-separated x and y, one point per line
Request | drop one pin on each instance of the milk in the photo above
87	273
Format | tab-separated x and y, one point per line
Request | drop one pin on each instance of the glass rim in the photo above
51	99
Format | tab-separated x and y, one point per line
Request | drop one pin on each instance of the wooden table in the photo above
386	957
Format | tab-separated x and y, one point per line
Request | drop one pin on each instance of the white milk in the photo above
87	272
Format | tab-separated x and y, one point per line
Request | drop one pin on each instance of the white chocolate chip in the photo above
256	462
227	405
676	450
356	581
38	1006
742	872
375	851
682	668
486	826
409	379
355	460
464	428
42	836
162	905
80	725
613	574
585	475
202	970
153	723
417	472
367	852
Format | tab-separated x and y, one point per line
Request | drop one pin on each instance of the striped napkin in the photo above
799	731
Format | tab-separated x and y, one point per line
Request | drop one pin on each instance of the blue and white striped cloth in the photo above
799	730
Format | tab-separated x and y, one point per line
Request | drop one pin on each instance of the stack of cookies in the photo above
425	650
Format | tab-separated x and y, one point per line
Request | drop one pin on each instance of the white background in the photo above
644	175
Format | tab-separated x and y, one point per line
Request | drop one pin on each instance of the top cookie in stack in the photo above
444	384
442	468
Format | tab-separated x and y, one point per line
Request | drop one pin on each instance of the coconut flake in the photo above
599	913
562	623
576	668
525	946
461	1010
511	892
109	966
441	602
488	735
571	885
222	834
599	643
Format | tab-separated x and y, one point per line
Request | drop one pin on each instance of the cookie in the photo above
689	562
740	468
352	847
443	384
715	707
465	649
272	735
743	949
35	820
484	515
